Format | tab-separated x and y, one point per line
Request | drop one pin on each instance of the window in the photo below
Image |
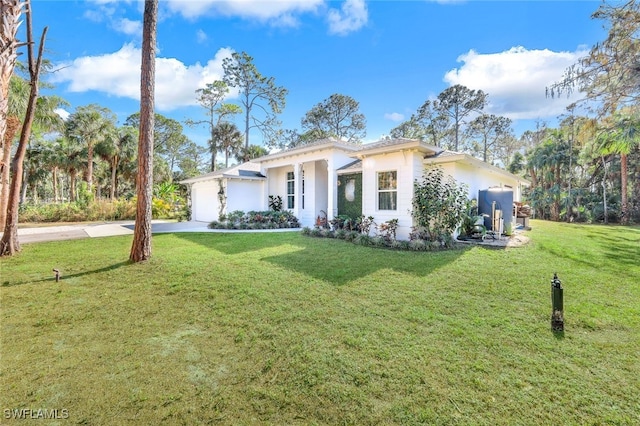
387	190
302	194
291	185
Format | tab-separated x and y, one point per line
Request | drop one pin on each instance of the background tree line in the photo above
584	169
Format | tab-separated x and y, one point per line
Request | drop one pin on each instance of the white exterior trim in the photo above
323	161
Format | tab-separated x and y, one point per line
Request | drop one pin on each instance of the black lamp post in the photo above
557	305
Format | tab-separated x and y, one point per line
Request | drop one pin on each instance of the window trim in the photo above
389	191
302	189
291	196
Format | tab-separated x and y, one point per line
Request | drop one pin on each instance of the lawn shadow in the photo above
559	335
623	247
616	248
63	277
340	262
236	242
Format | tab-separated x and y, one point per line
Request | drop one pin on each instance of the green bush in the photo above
418	245
363	240
99	210
340	234
439	204
257	220
351	235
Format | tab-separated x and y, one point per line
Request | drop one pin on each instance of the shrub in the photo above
100	210
379	242
326	233
340	234
160	208
258	220
439	204
418	245
275	203
351	235
401	245
388	230
363	240
364	224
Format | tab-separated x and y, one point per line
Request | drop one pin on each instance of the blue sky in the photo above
390	56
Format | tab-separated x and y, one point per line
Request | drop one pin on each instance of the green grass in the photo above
286	329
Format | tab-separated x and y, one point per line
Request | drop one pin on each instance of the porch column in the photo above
297	189
332	194
267	187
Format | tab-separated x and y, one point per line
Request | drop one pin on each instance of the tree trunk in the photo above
10	10
72	185
485	151
141	247
604	192
556	197
13	125
90	167
54	177
114	178
9	244
246	120
23	189
624	170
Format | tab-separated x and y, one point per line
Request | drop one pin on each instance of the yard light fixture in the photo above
557	305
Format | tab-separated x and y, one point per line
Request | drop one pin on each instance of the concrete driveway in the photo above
107	229
101	229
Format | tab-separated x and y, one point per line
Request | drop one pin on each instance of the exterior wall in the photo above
315	189
204	198
407	165
320	182
320	190
277	184
245	195
478	178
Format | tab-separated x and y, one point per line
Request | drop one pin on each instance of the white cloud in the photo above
201	36
64	114
394	116
277	12
352	16
516	80
109	12
127	26
118	74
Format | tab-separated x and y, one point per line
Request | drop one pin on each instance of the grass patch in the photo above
284	329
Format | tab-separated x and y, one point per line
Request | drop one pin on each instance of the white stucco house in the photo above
331	177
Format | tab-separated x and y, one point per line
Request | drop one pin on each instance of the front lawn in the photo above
279	328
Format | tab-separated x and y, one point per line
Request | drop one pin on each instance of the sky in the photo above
390	56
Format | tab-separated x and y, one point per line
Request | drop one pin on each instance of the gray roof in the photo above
328	143
353	166
246	170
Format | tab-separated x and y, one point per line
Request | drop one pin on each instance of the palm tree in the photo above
228	139
89	125
248	154
118	147
17	105
54	160
9	244
621	136
11	11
